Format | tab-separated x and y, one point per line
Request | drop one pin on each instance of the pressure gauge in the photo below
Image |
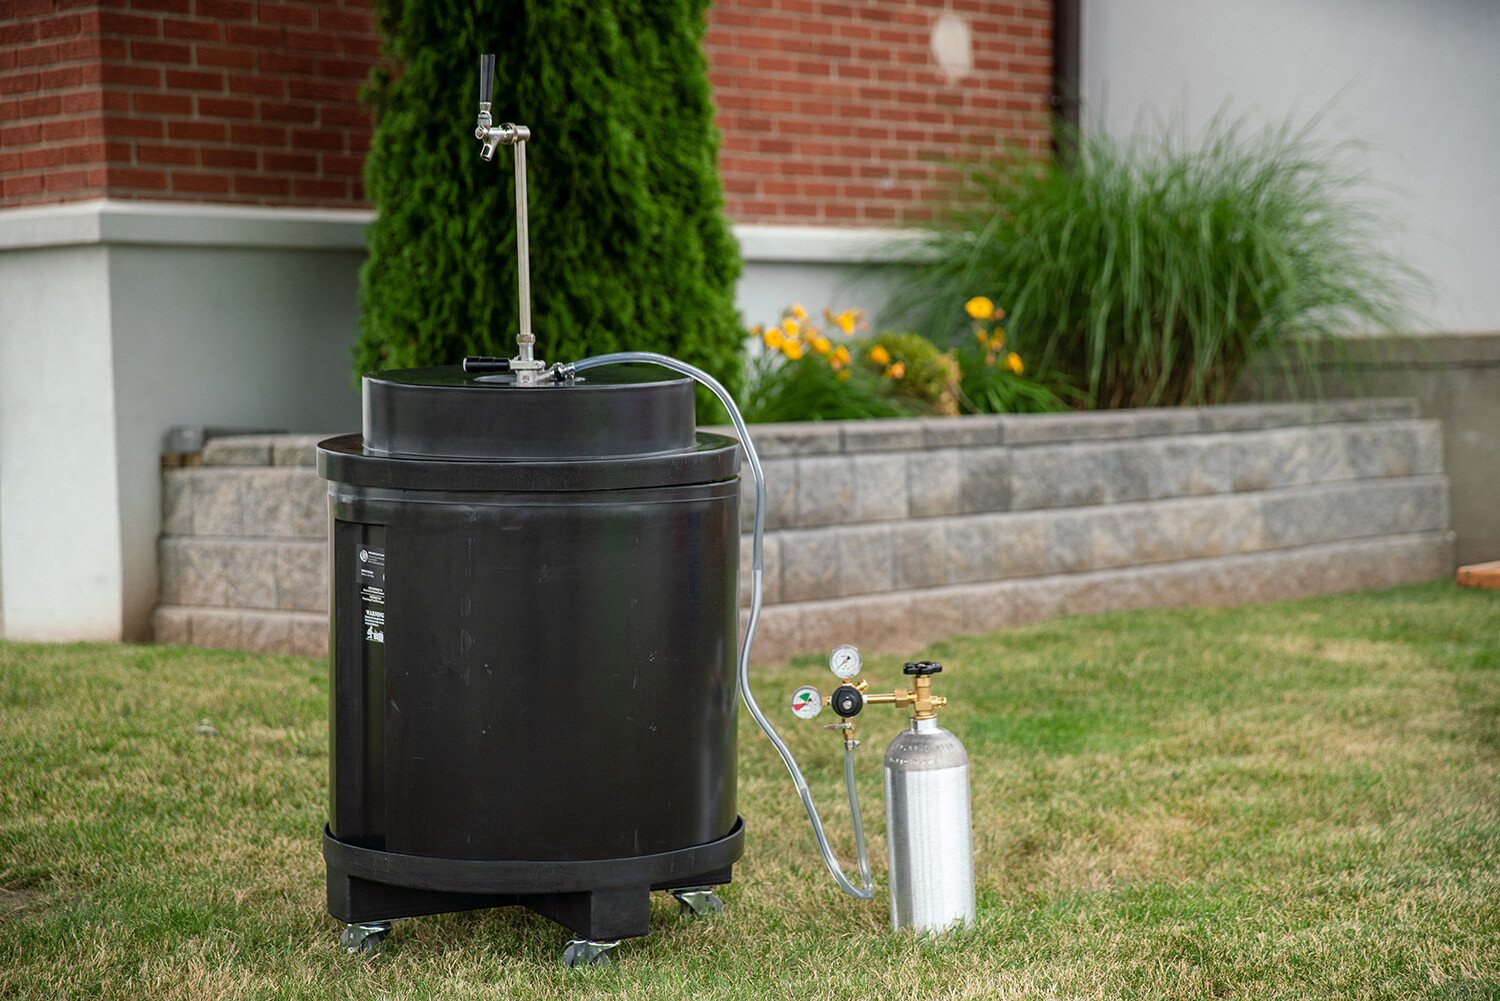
806	703
845	661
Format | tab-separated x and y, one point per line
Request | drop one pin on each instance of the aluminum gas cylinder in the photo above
927	829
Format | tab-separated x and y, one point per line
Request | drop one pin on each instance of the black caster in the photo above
698	902
584	952
364	938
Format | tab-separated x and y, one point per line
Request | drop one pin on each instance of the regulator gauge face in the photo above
806	703
845	661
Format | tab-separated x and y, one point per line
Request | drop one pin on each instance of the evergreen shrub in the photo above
630	246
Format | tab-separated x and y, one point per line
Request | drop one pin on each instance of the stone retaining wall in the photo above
891	534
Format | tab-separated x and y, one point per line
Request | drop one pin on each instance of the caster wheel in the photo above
363	939
582	952
699	903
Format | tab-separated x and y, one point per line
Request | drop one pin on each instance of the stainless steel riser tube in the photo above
927	829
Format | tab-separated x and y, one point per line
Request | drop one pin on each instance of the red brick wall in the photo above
206	100
833	112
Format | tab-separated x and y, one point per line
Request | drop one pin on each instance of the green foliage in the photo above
1150	274
1280	801
806	375
630	247
987	386
807	389
927	375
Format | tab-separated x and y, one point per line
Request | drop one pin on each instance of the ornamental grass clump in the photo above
1147	274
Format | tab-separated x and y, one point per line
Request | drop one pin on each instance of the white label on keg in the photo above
371	580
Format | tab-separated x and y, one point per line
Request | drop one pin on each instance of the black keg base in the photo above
597	899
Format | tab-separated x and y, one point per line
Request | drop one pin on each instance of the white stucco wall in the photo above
120	321
1418	81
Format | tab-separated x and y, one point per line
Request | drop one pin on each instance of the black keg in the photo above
533	644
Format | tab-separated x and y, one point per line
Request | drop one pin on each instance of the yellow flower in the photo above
879	355
896	371
774	339
847	320
841	355
981	336
821	344
799	312
792	327
1013	362
842	376
998	341
792	349
980	308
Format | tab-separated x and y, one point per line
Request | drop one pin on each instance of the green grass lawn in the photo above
1296	800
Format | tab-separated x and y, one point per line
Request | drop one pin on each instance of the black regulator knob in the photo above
923	667
847	701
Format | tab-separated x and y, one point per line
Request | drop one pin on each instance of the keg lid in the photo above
444	428
449	413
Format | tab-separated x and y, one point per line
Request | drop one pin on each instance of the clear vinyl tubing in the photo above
865	890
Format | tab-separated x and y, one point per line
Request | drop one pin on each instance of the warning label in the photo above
371	571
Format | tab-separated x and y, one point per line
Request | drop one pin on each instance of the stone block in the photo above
882	435
825	490
882	622
171	625
771	559
1127	534
1070	542
866	560
1078	475
239	450
1289	457
265	502
920	554
1327	457
1169	464
309	635
809	565
798	438
222	573
297	449
880	488
216	502
1021	542
1167	421
177	502
963	432
972	546
778	634
933	483
781	494
985	480
266	632
1364	450
302	576
307	505
1427	448
1195	529
215	627
1256	416
1046	429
